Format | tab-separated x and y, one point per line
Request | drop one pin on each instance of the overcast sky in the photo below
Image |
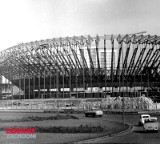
30	20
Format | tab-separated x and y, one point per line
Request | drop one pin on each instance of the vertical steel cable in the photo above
50	84
141	70
63	84
19	75
34	86
39	85
105	81
29	87
24	85
123	89
12	87
76	72
44	82
112	44
84	79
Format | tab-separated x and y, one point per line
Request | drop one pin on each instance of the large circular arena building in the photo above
84	66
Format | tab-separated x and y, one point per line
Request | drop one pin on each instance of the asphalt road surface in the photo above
135	136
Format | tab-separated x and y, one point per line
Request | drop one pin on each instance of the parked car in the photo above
151	124
94	112
26	104
18	103
68	108
142	118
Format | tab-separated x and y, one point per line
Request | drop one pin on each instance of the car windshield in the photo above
145	116
95	109
150	120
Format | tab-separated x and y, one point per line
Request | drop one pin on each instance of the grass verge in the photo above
62	129
37	118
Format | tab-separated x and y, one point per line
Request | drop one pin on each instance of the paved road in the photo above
135	136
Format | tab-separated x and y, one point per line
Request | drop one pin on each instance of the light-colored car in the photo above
94	112
142	118
151	124
68	108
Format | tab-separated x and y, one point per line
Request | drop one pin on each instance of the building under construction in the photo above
84	66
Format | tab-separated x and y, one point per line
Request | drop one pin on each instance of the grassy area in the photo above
43	137
37	118
48	138
62	129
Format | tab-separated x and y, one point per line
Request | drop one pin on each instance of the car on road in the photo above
151	124
69	108
142	118
94	112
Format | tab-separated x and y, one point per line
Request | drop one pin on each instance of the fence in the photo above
109	103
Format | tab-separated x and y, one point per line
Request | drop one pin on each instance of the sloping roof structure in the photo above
81	61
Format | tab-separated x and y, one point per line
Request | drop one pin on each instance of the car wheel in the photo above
93	115
86	115
100	115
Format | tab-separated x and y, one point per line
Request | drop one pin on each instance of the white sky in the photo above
30	20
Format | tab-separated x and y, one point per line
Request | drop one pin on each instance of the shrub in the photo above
79	129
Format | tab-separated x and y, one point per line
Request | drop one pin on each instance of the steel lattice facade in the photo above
61	67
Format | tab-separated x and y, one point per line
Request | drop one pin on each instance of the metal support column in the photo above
105	65
112	42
